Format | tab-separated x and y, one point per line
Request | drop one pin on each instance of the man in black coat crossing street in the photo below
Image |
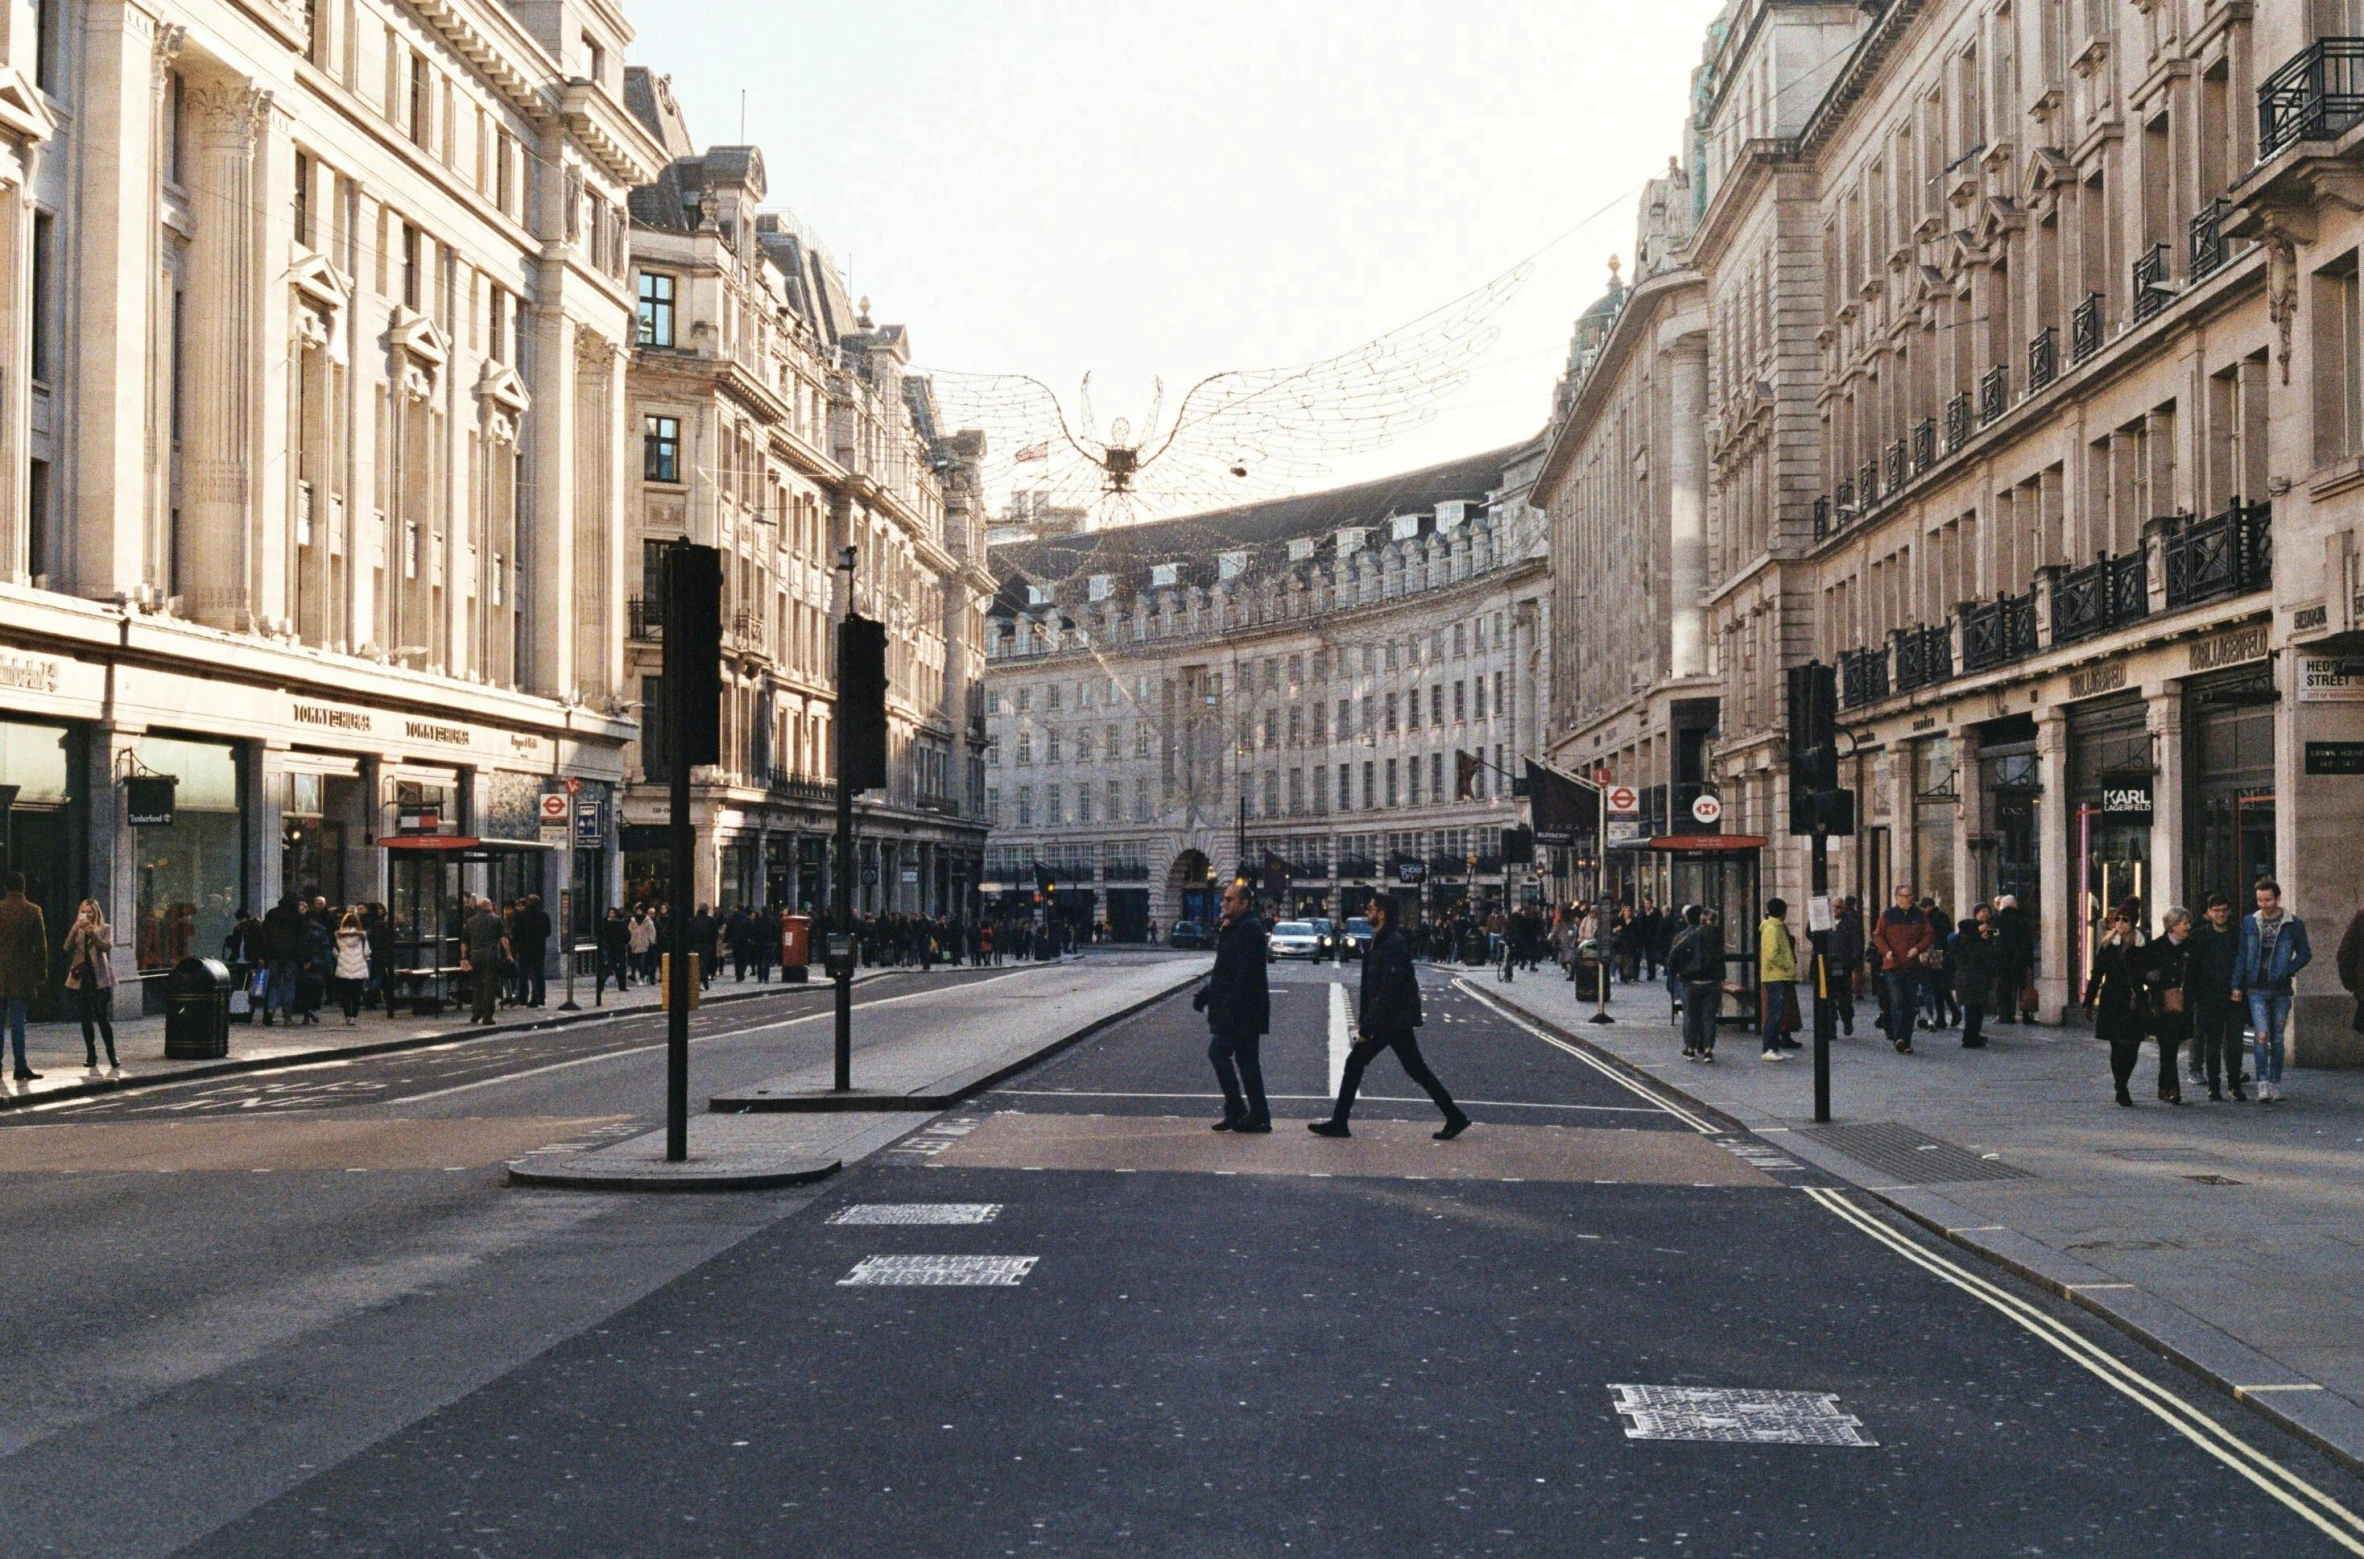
1387	1013
1238	1005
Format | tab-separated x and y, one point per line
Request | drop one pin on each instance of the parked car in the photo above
1297	939
1189	935
1359	932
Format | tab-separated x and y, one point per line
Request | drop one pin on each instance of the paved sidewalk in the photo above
55	1049
2227	1236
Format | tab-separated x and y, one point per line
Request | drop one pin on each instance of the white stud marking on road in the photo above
1341	1039
917	1212
939	1272
1757	1155
1737	1417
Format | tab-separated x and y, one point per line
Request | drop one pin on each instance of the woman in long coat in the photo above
2114	997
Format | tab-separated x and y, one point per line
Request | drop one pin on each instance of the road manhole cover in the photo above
1737	1417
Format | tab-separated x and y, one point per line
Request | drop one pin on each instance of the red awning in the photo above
451	842
1720	844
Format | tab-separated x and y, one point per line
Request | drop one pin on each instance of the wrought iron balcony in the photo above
1998	632
1360	867
1867	484
2152	289
2224	555
1924	656
1863	677
2210	248
1822	525
1924	444
1846	505
1893	476
2316	95
2105	594
2043	358
1125	871
1957	422
1994	393
2085	328
646	619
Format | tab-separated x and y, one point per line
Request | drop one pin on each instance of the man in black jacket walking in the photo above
1238	1005
1387	1013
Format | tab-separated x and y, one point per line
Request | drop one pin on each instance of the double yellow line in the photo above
2327	1515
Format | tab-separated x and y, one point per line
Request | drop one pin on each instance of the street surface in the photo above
260	1316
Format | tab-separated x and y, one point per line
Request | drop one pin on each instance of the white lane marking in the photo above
1737	1417
870	1213
1598	1065
1341	1040
1369	1098
2318	1508
939	1272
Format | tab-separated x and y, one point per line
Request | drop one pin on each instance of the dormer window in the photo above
656	308
594	60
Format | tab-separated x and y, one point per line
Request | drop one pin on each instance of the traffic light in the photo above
1814	751
861	704
1465	773
693	652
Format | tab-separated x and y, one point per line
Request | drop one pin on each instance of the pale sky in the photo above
1170	189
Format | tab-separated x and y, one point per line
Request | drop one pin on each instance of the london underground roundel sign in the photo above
1622	799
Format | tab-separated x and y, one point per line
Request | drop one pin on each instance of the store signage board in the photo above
589	834
553	835
2331	679
2335	758
554	808
148	800
1707	809
2126	801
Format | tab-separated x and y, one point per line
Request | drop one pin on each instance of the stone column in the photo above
266	816
546	541
2163	708
1971	822
1687	506
272	359
217	527
2057	984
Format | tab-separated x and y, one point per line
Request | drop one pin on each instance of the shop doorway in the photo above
2229	834
37	842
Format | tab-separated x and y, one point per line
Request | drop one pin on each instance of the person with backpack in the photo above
1696	962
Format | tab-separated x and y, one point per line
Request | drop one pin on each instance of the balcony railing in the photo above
1822	526
1924	444
2226	554
1846	505
2151	286
2043	358
1867	484
2105	594
1125	871
2085	328
1994	392
1863	677
1893	476
2210	248
1357	866
1957	422
2317	95
1998	632
1924	656
647	619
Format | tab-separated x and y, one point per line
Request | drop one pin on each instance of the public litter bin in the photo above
796	948
197	1010
1592	974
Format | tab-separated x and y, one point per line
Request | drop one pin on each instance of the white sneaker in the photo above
1776	1055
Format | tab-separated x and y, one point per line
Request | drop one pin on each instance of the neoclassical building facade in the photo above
1302	682
313	354
775	421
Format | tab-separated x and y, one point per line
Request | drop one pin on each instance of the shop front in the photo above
2112	776
41	819
2229	810
2007	854
189	858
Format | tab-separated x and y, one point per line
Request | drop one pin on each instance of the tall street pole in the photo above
1825	1016
843	980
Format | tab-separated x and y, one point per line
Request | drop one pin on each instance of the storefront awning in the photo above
466	846
1715	844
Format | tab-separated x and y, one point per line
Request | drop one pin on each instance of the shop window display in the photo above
191	874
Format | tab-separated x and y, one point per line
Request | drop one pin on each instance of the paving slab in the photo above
2225	1236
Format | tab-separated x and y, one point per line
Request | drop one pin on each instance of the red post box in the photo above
796	947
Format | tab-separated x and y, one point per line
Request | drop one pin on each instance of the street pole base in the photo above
1600	1017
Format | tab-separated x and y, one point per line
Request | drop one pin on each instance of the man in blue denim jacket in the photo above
2273	949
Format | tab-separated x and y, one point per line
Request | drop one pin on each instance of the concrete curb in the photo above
712	1171
234	1066
2300	1407
947	1092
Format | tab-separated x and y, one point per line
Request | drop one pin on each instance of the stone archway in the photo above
1190	888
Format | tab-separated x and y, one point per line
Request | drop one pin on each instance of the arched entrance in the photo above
1191	885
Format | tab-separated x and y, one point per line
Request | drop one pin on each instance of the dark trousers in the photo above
2216	1040
1842	999
1904	1001
1973	1025
1239	1065
533	978
2123	1054
349	997
2010	980
1407	1051
484	992
1701	998
94	1005
2174	1029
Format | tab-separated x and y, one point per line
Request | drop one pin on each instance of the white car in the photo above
1296	939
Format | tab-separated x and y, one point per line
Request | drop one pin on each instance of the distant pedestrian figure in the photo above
484	953
1238	1005
2273	950
90	975
1777	974
2113	996
1388	1012
1901	935
24	966
1696	963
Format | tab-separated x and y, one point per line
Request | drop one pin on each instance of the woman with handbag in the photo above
2113	998
2169	987
90	975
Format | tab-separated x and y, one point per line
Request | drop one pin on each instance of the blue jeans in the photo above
1781	1004
1904	1001
12	1013
2269	1015
279	995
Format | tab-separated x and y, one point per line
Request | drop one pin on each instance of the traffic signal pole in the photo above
1825	1016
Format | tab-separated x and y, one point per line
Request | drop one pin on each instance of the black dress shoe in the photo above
1227	1123
1255	1128
1453	1127
1328	1128
25	1074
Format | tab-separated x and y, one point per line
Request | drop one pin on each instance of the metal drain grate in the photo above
1737	1417
874	1213
939	1272
1912	1156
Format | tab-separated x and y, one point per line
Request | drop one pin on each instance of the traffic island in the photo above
641	1165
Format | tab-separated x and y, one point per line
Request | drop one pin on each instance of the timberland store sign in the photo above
506	747
171	700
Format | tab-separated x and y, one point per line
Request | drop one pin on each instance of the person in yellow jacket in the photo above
1777	976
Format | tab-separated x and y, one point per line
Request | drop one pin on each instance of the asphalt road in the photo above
1205	1345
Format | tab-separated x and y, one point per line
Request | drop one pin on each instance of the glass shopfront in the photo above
190	875
1937	791
39	823
2229	823
2111	775
2008	851
323	818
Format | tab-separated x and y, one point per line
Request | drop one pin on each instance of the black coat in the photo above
2115	992
529	933
2171	969
1390	997
2209	973
1977	965
1236	997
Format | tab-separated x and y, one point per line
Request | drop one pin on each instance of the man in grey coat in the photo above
1388	1012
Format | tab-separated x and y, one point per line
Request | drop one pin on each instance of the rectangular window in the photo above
1480	711
656	309
660	449
1391	712
1412	782
2339	375
1025	806
410	266
1391	788
1436	775
421	114
1345	787
1436	705
40	543
1460	706
1370	787
44	327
